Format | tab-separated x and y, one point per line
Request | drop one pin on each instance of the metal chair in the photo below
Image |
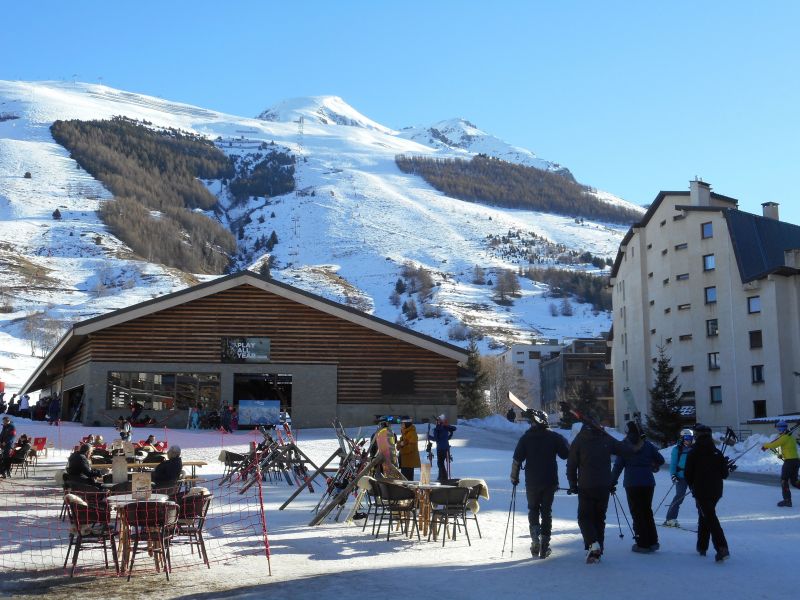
90	526
153	523
400	504
191	520
449	504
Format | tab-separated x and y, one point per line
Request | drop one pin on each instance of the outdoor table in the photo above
118	501
194	464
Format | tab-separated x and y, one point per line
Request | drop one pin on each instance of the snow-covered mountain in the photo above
346	233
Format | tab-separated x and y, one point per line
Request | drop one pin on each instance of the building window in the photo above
163	391
397	382
668	340
534	355
664	252
652	302
713	361
755	339
687	368
715	394
712	327
665	282
711	294
709	263
652	332
706	230
754	304
684	306
664	222
759	409
650	275
685	337
649	246
757	373
654	360
682	277
682	246
667	310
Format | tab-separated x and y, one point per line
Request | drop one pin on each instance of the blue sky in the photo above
633	97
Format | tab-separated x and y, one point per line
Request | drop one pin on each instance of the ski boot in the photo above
671	523
544	549
786	503
722	554
535	547
594	554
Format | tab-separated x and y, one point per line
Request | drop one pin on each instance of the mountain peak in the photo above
324	110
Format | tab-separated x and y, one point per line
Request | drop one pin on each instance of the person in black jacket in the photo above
7	436
706	467
641	461
538	448
166	474
79	468
589	475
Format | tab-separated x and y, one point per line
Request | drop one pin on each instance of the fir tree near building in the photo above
583	399
664	421
471	400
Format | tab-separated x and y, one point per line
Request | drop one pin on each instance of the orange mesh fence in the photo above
102	532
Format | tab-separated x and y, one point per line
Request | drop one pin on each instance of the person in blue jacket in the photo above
441	434
642	460
677	469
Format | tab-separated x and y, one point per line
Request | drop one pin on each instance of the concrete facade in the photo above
734	342
526	358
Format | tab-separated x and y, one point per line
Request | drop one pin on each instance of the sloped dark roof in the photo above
759	243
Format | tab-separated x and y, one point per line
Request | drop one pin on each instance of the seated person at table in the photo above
20	451
78	466
168	472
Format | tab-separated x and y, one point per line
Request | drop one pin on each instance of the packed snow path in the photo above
338	561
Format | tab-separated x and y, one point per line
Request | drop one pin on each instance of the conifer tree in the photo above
471	400
664	421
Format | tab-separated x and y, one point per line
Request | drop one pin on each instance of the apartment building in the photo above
525	359
583	360
718	289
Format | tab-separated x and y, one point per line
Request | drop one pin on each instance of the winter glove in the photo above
514	473
612	489
572	490
763	448
674	479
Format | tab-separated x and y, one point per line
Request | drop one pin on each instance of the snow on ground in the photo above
337	560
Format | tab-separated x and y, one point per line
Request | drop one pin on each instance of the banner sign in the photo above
259	412
245	350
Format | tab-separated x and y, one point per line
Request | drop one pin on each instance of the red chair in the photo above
40	445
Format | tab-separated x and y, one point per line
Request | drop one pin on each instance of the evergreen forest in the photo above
508	185
154	176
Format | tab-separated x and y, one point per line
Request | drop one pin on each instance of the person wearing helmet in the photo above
441	434
786	445
639	463
537	449
706	468
677	467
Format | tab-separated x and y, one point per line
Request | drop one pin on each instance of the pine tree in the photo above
664	421
471	400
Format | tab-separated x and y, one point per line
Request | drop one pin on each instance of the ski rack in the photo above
341	498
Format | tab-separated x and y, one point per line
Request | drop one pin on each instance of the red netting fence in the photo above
50	527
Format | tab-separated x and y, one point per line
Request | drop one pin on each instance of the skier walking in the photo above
788	451
537	449
441	435
589	475
640	462
706	468
677	468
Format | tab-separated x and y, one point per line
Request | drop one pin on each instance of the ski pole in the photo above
508	520
664	498
621	535
628	523
513	517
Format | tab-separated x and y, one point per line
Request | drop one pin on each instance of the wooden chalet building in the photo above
243	339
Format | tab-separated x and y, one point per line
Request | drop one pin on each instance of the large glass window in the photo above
754	304
709	264
706	230
163	391
711	294
755	339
